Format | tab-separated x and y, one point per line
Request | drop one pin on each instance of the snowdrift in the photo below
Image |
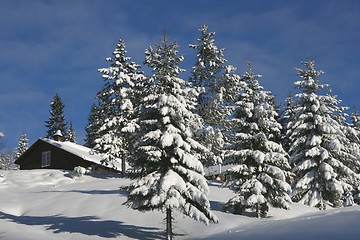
50	204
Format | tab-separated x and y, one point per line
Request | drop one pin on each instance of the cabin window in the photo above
46	159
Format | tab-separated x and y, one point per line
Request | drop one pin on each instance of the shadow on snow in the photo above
86	225
216	205
92	192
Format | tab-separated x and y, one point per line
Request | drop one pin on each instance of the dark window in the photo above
46	159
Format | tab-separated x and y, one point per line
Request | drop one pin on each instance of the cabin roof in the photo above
76	149
80	151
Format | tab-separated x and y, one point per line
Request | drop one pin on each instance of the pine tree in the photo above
70	134
23	145
7	160
209	64
286	117
167	174
261	165
57	119
92	127
353	133
116	106
355	120
318	146
207	76
1	135
233	85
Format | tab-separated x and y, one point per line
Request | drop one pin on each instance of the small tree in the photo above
57	119
23	145
70	134
7	160
167	173
319	147
92	127
355	120
208	77
116	106
1	136
353	133
261	164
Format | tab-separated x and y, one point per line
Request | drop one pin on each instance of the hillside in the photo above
49	204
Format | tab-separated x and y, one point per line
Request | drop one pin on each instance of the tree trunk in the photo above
258	215
123	166
322	205
169	233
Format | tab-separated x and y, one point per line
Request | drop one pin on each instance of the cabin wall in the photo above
60	159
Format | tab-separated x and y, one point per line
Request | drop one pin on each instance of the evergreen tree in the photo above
353	131
261	165
355	120
116	106
92	126
318	145
209	63
57	119
287	117
167	174
1	136
207	76
7	160
70	134
23	145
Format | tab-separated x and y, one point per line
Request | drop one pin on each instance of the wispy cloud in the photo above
50	47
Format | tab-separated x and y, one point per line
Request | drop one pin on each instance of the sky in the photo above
49	47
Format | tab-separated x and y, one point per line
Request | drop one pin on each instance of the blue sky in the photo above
49	47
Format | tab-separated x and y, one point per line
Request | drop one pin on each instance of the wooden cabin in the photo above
54	154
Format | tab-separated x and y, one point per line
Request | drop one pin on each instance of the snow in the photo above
259	156
166	139
78	150
49	204
315	140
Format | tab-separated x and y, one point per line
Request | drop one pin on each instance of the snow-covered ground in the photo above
49	204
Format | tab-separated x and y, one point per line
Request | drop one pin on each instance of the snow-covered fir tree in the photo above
261	168
99	112
286	117
1	135
318	145
7	159
116	106
70	134
353	133
209	64
355	120
168	174
23	145
57	119
288	112
233	85
207	76
92	127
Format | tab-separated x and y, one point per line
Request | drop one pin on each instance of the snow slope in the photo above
49	204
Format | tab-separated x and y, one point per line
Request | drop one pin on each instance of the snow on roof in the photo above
76	149
216	169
